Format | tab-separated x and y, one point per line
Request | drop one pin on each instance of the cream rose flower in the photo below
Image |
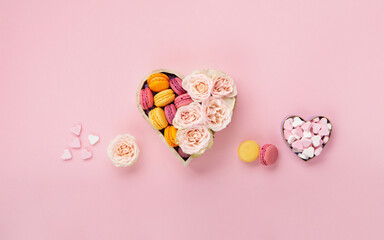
188	116
198	86
123	151
223	85
217	113
195	140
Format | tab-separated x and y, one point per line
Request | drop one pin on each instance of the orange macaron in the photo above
164	97
170	136
158	82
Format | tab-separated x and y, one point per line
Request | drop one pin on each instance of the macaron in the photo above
176	85
170	112
183	154
268	154
248	151
157	118
146	98
164	97
170	136
183	100
158	82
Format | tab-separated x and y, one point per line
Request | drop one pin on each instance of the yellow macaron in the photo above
158	82
157	118
164	97
249	151
170	136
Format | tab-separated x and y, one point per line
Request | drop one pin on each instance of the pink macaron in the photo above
146	98
176	85
268	154
183	154
170	111
183	100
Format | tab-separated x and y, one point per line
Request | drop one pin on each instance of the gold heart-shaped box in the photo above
184	161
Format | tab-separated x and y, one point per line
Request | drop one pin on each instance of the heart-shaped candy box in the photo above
186	112
306	139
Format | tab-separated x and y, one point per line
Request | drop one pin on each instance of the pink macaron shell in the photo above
183	100
183	154
268	154
176	86
146	98
170	112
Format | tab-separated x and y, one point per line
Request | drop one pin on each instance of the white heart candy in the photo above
66	155
309	152
307	134
316	140
297	122
75	143
93	139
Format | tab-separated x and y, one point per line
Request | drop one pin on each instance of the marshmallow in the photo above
291	139
309	152
329	126
316	127
323	121
302	156
315	120
287	134
324	131
307	134
318	151
306	142
316	140
298	133
297	122
306	126
297	146
325	139
288	124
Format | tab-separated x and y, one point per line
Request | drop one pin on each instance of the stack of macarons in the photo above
249	151
162	93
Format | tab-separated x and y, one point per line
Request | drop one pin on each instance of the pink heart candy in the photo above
306	126
76	129
75	143
85	154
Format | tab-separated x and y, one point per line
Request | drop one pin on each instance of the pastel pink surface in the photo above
64	62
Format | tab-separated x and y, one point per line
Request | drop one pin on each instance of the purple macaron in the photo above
177	86
170	111
183	154
183	100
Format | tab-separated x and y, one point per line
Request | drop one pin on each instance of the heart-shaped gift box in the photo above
165	107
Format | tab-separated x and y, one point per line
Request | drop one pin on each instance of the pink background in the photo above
63	62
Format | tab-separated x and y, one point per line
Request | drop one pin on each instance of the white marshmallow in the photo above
329	126
297	122
309	152
316	140
307	134
291	139
302	156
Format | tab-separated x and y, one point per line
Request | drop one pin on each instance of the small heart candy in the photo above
66	155
93	139
306	139
75	143
85	154
76	129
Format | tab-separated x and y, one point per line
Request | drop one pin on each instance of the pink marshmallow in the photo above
316	127
287	134
324	130
325	139
297	132
297	146
288	124
315	120
323	121
306	126
318	151
306	142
